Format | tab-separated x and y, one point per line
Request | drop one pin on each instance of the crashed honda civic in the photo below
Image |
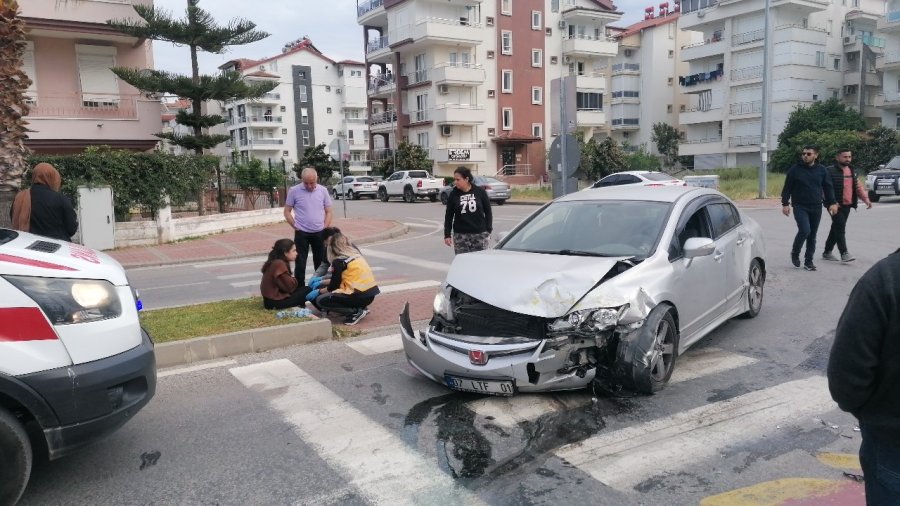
606	285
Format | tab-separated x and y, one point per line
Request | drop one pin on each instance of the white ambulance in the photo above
74	362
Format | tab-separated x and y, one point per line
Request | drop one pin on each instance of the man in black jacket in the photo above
804	186
864	375
847	191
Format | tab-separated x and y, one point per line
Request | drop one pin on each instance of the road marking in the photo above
419	225
412	285
418	262
624	458
378	345
199	367
225	263
705	362
147	289
383	468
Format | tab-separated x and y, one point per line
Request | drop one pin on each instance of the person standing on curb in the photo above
847	191
468	218
307	208
42	209
864	374
804	186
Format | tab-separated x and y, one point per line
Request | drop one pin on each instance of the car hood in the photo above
528	283
22	256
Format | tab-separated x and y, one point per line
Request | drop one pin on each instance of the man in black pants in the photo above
804	186
307	208
847	191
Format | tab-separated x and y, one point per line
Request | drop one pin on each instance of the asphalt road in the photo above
352	423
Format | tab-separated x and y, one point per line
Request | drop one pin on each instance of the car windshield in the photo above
657	176
364	180
592	228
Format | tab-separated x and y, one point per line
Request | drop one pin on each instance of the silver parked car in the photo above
607	285
497	191
354	187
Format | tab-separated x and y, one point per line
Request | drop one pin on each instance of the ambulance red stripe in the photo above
33	263
19	324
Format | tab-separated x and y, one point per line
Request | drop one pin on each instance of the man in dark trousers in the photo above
307	208
804	187
468	218
847	192
864	375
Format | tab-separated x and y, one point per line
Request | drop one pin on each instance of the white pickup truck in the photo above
411	185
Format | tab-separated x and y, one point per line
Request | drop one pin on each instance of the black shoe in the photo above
356	317
795	259
809	266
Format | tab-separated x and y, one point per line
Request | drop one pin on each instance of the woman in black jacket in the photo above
42	209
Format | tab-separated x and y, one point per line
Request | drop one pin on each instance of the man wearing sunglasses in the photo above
806	187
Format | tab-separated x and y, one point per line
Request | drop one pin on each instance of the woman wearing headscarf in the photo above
42	209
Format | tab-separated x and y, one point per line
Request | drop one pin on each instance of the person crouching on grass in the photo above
352	287
279	287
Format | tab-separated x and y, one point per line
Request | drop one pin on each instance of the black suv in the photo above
885	181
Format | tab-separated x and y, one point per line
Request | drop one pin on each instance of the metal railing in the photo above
626	121
747	37
744	140
271	96
376	81
383	117
754	107
419	115
517	169
265	119
704	140
463	145
626	67
746	73
88	105
377	44
366	6
459	65
381	154
417	76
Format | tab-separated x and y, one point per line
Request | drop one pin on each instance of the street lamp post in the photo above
764	118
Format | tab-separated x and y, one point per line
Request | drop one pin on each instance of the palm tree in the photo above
13	108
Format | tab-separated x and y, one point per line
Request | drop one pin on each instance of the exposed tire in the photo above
500	202
444	198
874	197
16	458
334	194
757	279
432	198
408	196
351	195
382	195
646	362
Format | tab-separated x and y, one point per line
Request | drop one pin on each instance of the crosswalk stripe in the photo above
407	260
706	362
624	458
412	285
372	459
378	345
193	368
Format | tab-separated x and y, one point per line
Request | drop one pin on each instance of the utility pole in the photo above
764	119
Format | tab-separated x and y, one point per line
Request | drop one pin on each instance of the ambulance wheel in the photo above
15	454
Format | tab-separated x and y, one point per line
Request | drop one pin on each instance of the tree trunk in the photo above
13	108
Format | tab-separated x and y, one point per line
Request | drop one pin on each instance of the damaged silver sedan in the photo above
606	286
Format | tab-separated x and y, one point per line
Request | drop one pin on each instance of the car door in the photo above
698	291
735	243
346	184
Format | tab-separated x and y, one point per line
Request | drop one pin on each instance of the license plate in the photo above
432	191
481	386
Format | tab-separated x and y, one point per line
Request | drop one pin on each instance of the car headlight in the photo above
589	319
66	301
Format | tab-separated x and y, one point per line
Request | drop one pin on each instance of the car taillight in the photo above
419	184
357	184
654	184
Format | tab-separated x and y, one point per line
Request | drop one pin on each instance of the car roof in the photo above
636	192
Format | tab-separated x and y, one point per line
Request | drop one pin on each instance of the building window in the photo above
422	140
327	88
670	81
671	53
283	109
285	153
548	31
99	86
820	59
837	64
506	7
330	131
491	93
301	74
537	130
489	21
301	90
535	20
554	5
506	42
669	108
507	82
328	110
537	57
492	132
304	116
554	60
29	69
283	131
588	101
305	135
490	55
537	95
507	118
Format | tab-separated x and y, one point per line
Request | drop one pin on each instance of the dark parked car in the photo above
497	190
885	181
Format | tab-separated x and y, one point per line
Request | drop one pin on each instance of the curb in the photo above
398	230
199	349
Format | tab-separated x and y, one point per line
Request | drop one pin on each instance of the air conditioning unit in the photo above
338	91
567	59
627	53
443	89
562	24
446	130
846	40
262	68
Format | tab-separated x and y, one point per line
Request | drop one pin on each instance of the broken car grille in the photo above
477	318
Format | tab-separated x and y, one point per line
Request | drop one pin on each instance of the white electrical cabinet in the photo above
96	218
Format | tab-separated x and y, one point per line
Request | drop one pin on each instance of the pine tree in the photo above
198	31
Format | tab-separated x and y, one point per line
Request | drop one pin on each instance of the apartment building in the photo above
469	80
76	101
316	101
820	49
887	103
643	86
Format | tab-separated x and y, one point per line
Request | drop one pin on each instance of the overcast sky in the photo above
331	24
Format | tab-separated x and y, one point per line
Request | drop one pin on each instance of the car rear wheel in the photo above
432	198
874	197
351	195
757	278
500	202
648	360
408	196
444	198
15	454
382	195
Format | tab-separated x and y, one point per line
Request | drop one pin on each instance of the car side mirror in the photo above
880	166
698	247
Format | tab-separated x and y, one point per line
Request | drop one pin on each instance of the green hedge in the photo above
137	179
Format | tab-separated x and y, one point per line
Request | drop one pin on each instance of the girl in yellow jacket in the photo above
352	287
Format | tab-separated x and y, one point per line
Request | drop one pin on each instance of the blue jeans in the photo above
881	467
807	218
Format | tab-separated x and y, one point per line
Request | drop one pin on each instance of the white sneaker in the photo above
356	317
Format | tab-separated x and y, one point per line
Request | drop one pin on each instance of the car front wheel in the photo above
757	278
874	197
15	454
408	195
646	362
334	194
382	195
444	199
351	195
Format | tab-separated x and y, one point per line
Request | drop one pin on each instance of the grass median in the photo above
222	317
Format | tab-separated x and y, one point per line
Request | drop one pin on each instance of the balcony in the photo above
701	79
369	11
888	61
592	82
891	102
590	117
889	23
378	50
800	33
740	141
381	154
744	38
461	152
588	46
432	31
382	85
626	68
711	47
86	16
746	108
458	74
269	98
700	146
417	77
626	123
265	121
458	114
852	77
382	121
696	115
747	73
853	43
626	97
266	144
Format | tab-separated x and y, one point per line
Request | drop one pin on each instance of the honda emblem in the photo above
478	357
